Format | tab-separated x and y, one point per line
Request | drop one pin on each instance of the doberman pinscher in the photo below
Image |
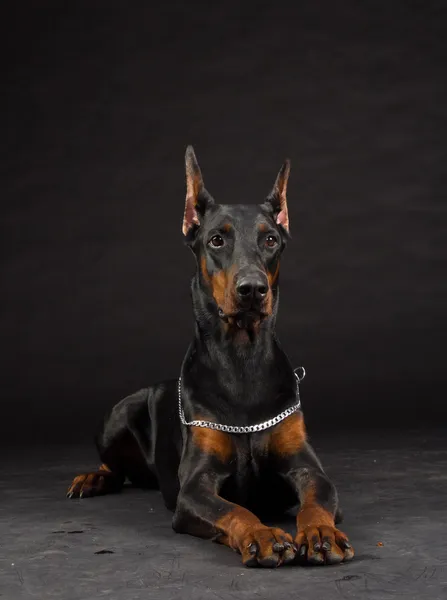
227	441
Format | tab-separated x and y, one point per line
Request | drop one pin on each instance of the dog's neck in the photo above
252	372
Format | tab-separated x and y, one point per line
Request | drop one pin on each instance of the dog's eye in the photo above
216	241
271	241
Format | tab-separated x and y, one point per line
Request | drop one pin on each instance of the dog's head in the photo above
237	247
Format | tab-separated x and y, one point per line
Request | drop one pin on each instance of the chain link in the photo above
248	428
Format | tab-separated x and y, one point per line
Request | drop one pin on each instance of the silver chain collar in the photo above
249	428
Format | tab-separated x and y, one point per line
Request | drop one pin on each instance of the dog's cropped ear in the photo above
277	198
197	198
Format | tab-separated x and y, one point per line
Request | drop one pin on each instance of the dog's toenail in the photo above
252	548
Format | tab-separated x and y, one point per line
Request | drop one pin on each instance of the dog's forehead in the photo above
238	216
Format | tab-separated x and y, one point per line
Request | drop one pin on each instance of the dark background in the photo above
99	102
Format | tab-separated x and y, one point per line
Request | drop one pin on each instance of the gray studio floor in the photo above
122	547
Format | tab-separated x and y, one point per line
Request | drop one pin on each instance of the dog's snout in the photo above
252	288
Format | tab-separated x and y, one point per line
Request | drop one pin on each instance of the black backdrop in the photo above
100	100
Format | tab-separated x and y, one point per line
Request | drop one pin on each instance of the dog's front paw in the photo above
323	545
268	547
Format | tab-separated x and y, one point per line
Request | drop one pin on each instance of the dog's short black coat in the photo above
234	373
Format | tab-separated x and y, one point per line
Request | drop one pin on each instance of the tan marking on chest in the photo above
214	442
289	436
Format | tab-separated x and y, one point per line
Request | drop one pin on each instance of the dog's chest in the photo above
251	468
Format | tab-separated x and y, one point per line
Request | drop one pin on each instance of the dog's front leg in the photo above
207	462
318	540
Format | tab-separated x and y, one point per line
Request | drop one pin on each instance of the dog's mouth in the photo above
243	319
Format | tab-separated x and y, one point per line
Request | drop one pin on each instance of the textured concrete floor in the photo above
122	547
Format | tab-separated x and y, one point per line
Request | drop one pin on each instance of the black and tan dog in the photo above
234	374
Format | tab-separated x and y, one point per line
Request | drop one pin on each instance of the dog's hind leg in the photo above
96	483
124	447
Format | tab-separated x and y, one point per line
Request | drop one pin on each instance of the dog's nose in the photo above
252	287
